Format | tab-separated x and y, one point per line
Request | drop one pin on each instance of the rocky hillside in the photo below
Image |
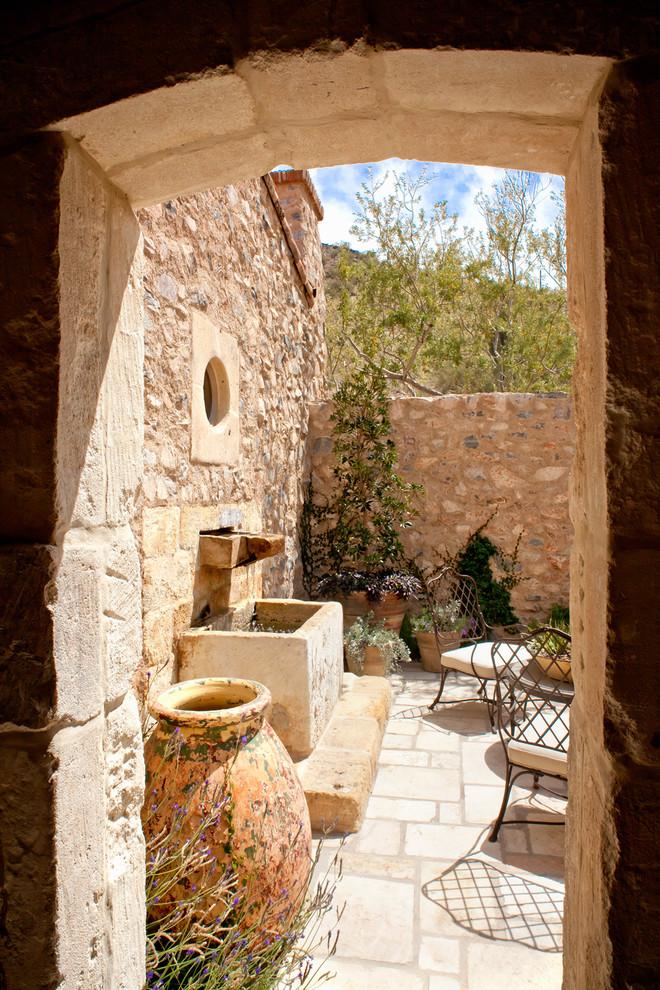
330	253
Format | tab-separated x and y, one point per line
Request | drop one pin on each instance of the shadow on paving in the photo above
487	901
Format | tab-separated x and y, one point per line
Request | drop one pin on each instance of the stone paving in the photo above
430	903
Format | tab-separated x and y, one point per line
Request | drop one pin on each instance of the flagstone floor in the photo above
430	903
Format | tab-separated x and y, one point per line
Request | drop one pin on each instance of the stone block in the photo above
215	373
196	518
124	844
418	782
457	76
337	784
80	814
150	122
78	638
354	732
401	810
363	696
354	975
167	579
377	923
181	618
173	174
334	85
101	412
122	614
158	632
501	966
379	838
160	530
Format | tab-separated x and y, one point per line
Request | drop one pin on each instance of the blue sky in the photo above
458	184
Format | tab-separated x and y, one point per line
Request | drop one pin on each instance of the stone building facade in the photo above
478	455
249	261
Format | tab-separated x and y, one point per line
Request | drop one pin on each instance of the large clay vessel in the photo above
390	609
212	735
431	647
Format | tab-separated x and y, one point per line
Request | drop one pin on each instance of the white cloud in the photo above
338	217
457	184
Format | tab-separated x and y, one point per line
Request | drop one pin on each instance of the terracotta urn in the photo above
428	648
390	609
373	664
211	737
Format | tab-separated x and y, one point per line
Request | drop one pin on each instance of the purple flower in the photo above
244	740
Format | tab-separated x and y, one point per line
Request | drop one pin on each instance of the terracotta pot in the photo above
390	609
211	735
556	669
373	664
428	648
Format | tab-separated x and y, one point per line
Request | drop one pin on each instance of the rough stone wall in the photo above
477	454
71	771
612	902
223	252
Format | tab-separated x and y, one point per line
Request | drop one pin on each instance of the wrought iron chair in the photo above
534	691
452	598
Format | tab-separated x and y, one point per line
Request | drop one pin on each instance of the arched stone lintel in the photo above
507	109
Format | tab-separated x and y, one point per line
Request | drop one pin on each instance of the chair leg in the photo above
505	800
490	704
443	678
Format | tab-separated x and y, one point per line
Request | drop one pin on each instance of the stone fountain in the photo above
331	722
293	647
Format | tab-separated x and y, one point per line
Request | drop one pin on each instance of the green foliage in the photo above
446	617
559	617
494	593
192	947
358	527
407	634
369	631
440	312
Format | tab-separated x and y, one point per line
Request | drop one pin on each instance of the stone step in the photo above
339	774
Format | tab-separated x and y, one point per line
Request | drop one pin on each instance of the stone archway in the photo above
75	892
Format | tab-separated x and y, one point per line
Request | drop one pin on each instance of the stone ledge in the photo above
339	775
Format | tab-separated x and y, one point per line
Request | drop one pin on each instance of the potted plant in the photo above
384	593
351	544
554	658
437	628
373	649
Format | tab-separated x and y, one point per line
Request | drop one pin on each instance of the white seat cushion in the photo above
528	754
477	659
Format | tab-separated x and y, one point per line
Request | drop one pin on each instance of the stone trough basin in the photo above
293	647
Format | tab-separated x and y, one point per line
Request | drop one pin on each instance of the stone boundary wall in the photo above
224	253
475	455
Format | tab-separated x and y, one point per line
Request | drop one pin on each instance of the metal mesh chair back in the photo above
455	611
534	688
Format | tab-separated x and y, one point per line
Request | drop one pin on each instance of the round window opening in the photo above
216	391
